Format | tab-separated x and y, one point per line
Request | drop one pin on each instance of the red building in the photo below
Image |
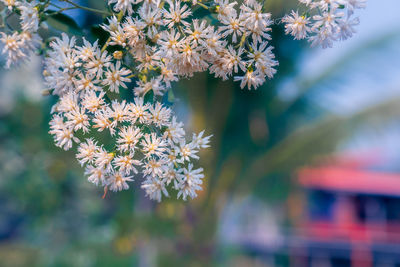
351	218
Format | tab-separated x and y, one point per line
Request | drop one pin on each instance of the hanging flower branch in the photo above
324	22
153	43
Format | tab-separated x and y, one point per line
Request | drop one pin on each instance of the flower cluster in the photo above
146	137
18	45
152	43
167	43
324	21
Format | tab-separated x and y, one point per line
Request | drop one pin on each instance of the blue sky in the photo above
371	73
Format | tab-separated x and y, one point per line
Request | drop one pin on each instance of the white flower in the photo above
169	41
115	77
13	48
167	75
154	188
201	142
152	17
233	60
87	82
95	175
187	151
143	88
133	30
29	16
86	151
68	102
118	181
88	50
126	164
103	159
154	167
119	112
328	22
347	28
139	110
129	137
296	25
122	5
9	3
18	46
176	14
252	16
351	5
93	102
148	61
225	8
232	26
96	64
102	121
159	115
214	43
77	119
69	61
170	174
112	24
190	181
263	59
63	45
323	37
250	79
200	31
118	37
63	135
174	132
190	54
152	145
306	2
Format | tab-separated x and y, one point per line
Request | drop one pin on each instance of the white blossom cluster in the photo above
325	21
167	43
152	43
19	45
146	137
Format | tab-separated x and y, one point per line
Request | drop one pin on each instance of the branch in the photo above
88	8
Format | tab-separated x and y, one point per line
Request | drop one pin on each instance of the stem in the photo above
105	45
202	5
6	22
181	30
242	41
57	6
88	8
263	6
107	97
61	10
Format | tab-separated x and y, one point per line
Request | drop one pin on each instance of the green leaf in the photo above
63	23
99	34
149	97
171	96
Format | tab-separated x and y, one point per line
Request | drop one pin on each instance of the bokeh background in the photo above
304	171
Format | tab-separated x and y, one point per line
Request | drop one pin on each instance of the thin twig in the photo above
88	8
57	6
61	10
203	5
